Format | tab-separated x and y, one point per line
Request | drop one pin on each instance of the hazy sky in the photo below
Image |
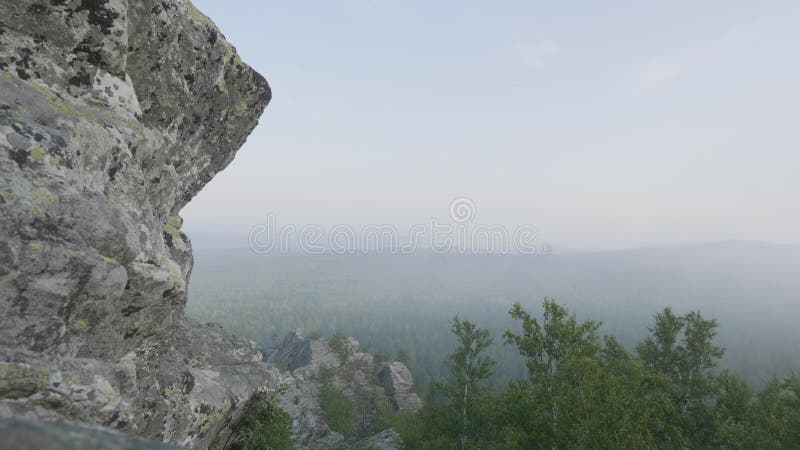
604	124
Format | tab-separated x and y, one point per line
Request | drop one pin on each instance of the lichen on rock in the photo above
111	120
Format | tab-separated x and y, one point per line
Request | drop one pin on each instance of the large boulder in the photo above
293	352
113	115
26	435
385	440
399	386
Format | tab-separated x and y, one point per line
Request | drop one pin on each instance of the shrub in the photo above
264	426
340	345
326	374
340	414
382	357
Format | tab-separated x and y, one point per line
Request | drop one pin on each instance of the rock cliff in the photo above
113	115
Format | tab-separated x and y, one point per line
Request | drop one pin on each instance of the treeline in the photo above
586	391
400	305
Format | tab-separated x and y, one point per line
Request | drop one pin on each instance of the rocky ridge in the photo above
375	389
113	115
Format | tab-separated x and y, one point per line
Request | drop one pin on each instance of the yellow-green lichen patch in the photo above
43	196
174	273
239	110
38	154
148	330
253	123
72	377
172	228
175	221
177	281
134	125
75	253
232	58
202	420
35	250
55	101
61	106
8	196
81	325
167	392
199	17
28	231
166	436
18	381
109	260
52	402
237	61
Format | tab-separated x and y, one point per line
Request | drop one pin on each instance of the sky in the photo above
605	125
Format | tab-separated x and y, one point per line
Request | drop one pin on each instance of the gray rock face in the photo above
399	385
294	352
27	435
385	440
113	115
308	363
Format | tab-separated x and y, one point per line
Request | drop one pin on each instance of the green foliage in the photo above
404	302
264	426
469	368
384	415
681	348
314	335
382	357
283	362
404	357
588	392
340	414
326	374
606	396
581	391
340	345
768	420
467	363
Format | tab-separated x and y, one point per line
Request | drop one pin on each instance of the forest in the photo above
584	390
667	347
399	306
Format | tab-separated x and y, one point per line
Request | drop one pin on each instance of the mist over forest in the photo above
382	225
400	305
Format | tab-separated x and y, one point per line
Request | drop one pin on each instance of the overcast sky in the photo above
604	124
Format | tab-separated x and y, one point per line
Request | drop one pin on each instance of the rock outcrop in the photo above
399	385
26	435
312	364
385	440
113	115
